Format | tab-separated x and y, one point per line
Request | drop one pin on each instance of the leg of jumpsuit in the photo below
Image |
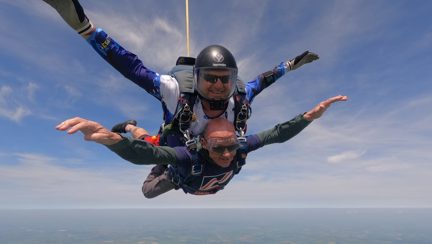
157	182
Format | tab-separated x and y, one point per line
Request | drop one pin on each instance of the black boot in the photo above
121	127
159	169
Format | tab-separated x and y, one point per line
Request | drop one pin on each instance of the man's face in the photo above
216	84
222	147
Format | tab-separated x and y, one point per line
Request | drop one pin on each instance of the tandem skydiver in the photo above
222	155
198	91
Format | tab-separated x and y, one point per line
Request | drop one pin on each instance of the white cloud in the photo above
344	157
31	89
31	8
320	190
16	114
388	167
36	180
127	96
157	43
72	91
10	108
339	23
5	91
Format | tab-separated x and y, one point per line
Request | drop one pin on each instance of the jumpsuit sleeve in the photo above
164	87
278	134
144	153
264	80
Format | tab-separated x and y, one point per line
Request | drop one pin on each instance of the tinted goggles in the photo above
220	145
221	149
214	78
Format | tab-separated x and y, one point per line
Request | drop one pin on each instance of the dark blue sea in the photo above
329	226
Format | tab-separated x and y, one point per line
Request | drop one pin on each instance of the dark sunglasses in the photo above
214	78
221	149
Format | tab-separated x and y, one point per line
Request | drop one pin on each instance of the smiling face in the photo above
220	141
216	84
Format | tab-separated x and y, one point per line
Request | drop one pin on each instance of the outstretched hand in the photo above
92	131
319	110
300	60
73	14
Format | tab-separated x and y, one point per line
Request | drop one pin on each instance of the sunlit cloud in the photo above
388	167
344	157
42	177
65	186
10	108
31	89
164	36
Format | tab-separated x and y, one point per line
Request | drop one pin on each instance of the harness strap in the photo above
175	177
191	145
185	119
242	114
241	152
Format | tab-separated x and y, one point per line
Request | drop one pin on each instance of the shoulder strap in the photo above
241	86
241	153
184	77
242	109
183	72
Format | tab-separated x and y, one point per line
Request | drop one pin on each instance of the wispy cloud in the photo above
344	157
36	180
55	185
158	42
10	106
388	167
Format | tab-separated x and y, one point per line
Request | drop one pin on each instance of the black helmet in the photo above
215	73
215	56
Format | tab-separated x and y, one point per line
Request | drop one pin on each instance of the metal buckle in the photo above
185	118
191	144
196	169
241	139
242	117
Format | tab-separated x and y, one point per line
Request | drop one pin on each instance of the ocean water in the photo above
216	226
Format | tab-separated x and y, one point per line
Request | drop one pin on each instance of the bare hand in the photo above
92	131
316	112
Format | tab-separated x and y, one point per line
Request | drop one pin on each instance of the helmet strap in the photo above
216	104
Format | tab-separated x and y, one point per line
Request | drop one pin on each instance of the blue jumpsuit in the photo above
165	88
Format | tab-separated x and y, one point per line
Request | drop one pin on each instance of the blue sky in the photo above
372	151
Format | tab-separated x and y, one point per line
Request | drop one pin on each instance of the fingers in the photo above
69	123
334	99
75	124
81	126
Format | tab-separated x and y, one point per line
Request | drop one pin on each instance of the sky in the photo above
372	151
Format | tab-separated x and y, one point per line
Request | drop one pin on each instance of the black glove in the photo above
72	12
301	59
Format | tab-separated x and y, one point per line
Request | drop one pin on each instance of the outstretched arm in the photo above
134	151
91	130
319	109
285	131
127	63
265	79
73	14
